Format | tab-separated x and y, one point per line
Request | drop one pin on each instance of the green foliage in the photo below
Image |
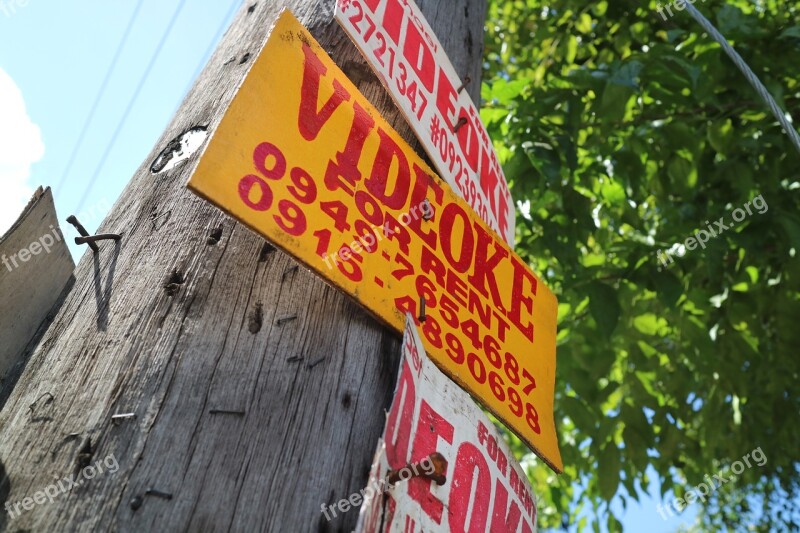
623	134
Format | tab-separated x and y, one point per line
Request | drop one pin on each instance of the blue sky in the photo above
54	59
55	56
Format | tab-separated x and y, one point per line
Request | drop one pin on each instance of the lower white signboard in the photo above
442	465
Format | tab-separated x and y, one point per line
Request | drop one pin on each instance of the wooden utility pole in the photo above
258	391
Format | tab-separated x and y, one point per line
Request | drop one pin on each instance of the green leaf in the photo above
613	525
505	91
612	192
584	23
730	19
646	349
791	224
544	159
647	379
571	49
682	174
608	471
615	101
649	324
579	413
627	75
752	272
635	448
668	286
720	135
604	306
794	31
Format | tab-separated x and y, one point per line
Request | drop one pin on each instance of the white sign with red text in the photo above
485	488
401	47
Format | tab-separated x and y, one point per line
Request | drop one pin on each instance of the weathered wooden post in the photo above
212	383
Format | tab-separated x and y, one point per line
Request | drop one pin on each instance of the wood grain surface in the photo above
180	319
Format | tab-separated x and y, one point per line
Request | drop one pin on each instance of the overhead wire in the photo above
130	105
759	87
100	93
749	74
207	54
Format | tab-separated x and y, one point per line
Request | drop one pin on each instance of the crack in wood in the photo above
215	236
256	319
174	283
265	252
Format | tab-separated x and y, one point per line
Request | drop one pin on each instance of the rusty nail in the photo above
284	320
72	219
289	271
158	493
136	502
460	124
90	239
155	217
464	85
422	317
225	412
85	454
32	405
315	363
416	470
121	416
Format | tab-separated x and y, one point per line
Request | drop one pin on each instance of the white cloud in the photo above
21	145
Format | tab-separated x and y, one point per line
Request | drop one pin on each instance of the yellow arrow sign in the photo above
303	158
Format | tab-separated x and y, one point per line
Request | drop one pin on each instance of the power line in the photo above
132	101
203	60
207	54
100	93
748	73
